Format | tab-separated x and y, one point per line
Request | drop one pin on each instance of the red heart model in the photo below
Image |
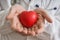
28	18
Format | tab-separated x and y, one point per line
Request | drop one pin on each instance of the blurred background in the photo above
7	3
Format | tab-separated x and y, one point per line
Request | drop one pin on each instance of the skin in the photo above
17	26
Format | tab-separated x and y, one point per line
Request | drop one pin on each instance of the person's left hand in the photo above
39	26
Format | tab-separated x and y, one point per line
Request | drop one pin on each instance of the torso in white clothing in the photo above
51	30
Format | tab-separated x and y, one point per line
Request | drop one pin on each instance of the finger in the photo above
40	30
40	25
13	24
32	31
19	29
24	30
44	14
29	31
19	26
35	28
41	17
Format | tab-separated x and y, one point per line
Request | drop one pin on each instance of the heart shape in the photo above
28	18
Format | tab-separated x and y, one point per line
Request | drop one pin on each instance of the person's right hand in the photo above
12	17
15	23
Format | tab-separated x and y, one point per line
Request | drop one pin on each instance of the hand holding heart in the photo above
35	23
28	18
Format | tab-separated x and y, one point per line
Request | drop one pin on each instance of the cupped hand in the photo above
12	17
37	27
